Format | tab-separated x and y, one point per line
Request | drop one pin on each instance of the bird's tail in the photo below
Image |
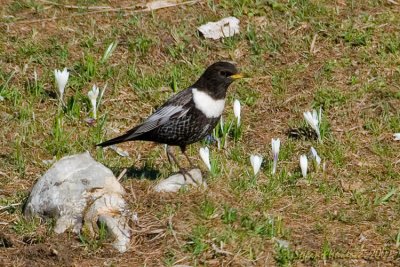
116	140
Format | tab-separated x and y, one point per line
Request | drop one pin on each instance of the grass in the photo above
241	219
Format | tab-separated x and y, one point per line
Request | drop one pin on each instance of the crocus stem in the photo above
274	164
62	103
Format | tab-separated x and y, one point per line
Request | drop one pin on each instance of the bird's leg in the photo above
171	157
183	149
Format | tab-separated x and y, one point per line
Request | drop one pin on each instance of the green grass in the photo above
353	74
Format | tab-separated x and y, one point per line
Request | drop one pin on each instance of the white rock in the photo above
177	181
225	27
78	189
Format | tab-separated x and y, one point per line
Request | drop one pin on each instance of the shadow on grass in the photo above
139	173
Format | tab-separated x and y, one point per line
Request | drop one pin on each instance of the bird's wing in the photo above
174	108
160	117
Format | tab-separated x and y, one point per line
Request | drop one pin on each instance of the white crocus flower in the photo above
275	143
110	49
314	119
396	136
236	110
93	94
61	80
303	165
314	154
205	156
256	161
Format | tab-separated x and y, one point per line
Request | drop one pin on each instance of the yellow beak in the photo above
237	76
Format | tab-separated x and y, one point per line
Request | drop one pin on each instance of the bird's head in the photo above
217	78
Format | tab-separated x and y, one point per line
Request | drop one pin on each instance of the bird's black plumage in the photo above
188	116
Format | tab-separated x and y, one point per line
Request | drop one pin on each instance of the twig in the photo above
180	260
133	193
312	46
346	130
97	11
122	174
220	251
302	26
76	7
9	206
285	207
393	2
173	231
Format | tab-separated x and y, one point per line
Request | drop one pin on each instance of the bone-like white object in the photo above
78	189
225	27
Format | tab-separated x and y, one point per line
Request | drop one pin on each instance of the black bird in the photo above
188	116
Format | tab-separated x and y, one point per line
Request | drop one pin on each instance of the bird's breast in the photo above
210	107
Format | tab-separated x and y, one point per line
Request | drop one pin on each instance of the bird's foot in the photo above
186	173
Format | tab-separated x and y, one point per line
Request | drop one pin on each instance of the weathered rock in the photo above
78	189
177	181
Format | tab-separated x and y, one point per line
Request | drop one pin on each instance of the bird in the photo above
188	116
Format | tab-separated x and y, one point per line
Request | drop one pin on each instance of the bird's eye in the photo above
225	73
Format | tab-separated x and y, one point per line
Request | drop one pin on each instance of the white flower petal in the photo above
315	156
61	80
256	161
93	94
275	144
312	120
303	165
315	116
236	110
205	156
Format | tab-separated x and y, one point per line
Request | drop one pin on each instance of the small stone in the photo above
177	181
